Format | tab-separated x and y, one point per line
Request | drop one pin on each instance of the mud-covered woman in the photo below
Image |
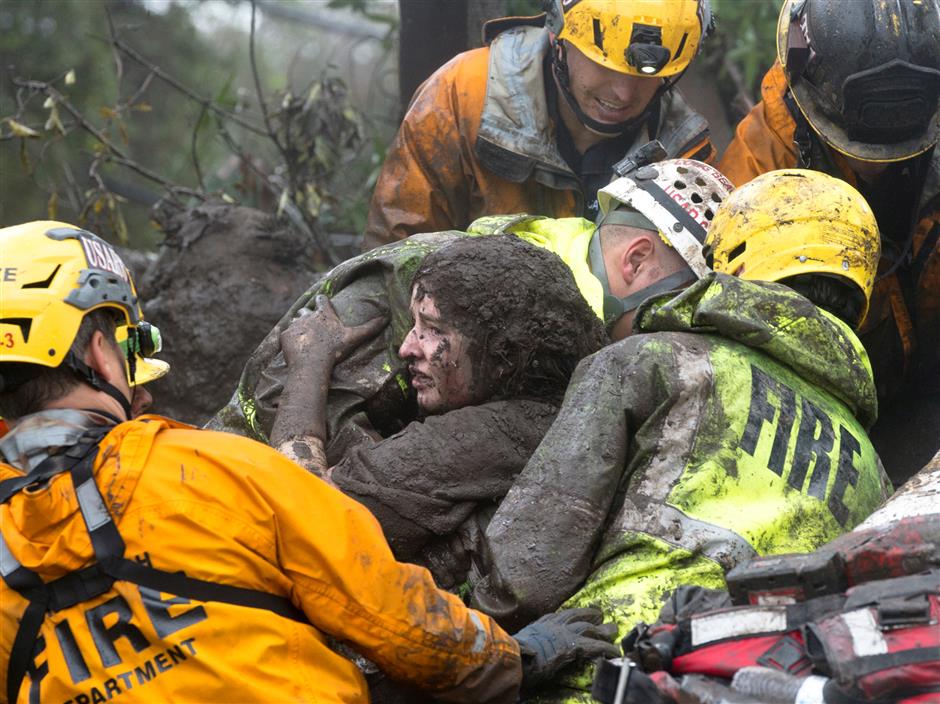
499	326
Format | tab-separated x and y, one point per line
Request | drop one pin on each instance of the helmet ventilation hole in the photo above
737	252
700	182
696	198
716	197
679	184
709	214
682	170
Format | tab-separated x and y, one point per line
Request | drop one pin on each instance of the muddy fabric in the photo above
477	139
731	424
902	330
369	392
433	485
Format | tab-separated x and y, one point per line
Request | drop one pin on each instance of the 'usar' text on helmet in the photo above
53	275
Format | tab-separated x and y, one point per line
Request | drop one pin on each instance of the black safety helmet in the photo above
865	73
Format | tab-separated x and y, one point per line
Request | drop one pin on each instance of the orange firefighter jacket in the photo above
230	510
902	330
478	140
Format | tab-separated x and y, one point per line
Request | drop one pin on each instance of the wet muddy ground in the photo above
220	282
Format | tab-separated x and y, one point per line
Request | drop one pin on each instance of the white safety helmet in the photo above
676	198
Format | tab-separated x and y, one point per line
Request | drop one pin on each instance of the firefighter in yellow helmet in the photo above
730	423
793	224
536	120
149	559
855	93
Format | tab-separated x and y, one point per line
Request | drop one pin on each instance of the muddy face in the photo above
438	358
606	95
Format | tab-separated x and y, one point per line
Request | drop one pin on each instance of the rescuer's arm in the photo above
350	586
425	481
423	185
312	344
540	542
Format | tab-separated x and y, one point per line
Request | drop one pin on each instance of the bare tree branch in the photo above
118	63
237	150
194	151
261	101
189	93
138	94
115	152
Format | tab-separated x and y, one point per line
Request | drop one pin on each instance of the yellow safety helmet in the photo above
795	221
638	37
51	276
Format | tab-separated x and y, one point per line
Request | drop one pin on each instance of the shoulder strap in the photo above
55	464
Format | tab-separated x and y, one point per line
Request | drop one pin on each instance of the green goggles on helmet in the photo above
143	340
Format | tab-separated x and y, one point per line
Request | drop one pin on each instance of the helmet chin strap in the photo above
615	307
94	380
608	129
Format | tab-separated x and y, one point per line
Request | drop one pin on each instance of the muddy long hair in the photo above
520	310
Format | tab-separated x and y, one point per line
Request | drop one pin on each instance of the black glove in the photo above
558	639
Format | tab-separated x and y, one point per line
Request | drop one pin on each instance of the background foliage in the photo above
327	70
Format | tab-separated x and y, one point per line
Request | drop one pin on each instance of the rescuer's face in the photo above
438	359
606	95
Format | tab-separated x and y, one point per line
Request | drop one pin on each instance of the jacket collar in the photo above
34	437
778	322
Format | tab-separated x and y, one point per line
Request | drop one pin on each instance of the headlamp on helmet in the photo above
646	52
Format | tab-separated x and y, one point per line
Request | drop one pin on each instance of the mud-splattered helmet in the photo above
792	222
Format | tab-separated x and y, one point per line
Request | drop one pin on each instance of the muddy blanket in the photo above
434	485
369	392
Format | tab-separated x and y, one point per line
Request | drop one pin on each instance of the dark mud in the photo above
222	279
519	306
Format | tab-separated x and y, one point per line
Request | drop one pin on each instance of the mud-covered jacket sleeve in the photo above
425	481
541	541
425	182
367	376
763	140
350	586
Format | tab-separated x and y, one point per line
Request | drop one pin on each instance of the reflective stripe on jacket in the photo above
477	139
902	330
232	511
733	424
